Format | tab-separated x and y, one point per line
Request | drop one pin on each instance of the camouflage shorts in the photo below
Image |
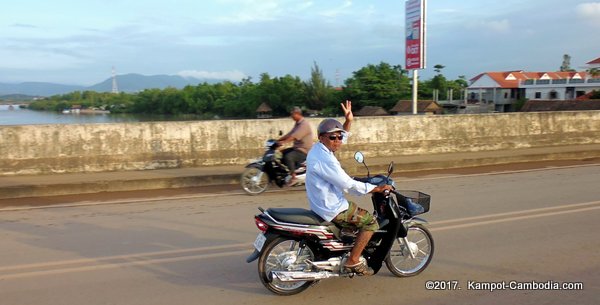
355	217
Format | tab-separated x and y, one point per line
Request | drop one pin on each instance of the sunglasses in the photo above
333	137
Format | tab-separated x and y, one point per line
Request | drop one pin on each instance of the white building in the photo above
500	90
496	91
559	86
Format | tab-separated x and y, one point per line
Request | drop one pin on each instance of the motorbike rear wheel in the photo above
284	254
254	181
399	260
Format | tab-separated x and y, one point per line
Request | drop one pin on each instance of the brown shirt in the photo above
303	136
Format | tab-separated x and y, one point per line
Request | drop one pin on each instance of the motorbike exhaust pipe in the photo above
297	276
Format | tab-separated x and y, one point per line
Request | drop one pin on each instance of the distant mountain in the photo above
37	88
125	83
16	97
138	82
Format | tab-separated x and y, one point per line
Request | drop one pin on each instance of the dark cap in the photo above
296	109
330	125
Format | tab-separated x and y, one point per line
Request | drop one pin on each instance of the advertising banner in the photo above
415	34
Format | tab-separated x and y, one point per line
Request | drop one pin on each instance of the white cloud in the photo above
234	75
447	11
254	10
590	12
305	5
502	26
497	26
338	10
247	11
24	25
38	60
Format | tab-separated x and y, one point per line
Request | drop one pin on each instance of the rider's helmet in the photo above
330	125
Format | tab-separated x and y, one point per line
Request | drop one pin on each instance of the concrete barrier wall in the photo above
39	149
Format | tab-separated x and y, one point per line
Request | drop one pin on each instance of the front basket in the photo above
417	197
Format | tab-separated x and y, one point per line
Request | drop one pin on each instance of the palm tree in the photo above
438	68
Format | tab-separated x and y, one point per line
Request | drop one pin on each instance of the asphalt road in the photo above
518	227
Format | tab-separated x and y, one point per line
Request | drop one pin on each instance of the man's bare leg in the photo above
361	242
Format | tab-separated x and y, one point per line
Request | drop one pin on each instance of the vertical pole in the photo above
414	90
493	101
115	89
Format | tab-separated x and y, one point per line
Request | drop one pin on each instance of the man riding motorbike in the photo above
302	135
326	182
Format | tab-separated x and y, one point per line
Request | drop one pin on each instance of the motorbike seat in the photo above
297	215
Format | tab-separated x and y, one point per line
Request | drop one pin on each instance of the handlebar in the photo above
378	180
359	179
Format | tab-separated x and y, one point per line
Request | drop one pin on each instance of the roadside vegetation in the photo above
373	85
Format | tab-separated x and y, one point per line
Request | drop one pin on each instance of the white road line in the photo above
121	265
565	206
123	201
123	257
102	263
501	172
488	222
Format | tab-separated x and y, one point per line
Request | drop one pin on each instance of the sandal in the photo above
360	269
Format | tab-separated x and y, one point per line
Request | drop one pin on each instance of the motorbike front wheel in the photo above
399	260
283	254
254	181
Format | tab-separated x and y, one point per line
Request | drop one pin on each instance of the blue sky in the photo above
78	42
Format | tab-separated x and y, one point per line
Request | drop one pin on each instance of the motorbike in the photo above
269	169
296	248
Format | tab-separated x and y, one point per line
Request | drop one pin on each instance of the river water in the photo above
20	116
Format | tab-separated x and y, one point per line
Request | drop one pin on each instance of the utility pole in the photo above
115	89
415	43
415	90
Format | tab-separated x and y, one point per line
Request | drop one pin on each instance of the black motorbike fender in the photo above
415	220
375	261
403	229
256	254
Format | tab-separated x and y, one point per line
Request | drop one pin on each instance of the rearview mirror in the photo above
359	157
391	168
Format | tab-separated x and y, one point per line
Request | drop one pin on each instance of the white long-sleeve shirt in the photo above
326	182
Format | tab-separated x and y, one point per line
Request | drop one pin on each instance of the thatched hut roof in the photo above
371	111
426	106
264	108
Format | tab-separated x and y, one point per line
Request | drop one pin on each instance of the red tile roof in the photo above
500	78
595	61
586	96
519	76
